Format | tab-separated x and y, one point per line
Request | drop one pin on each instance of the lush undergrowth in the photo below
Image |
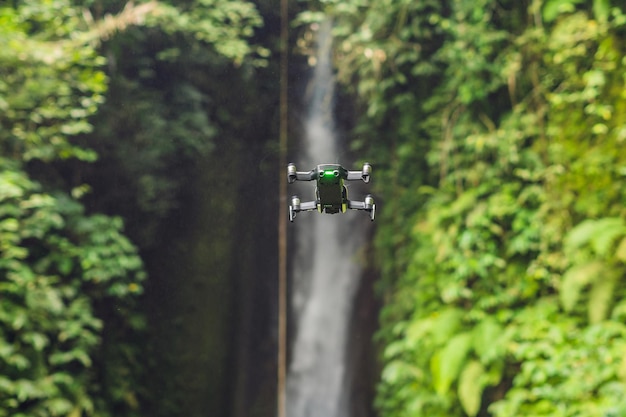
498	128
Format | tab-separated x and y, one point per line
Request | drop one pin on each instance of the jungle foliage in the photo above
62	270
71	329
498	130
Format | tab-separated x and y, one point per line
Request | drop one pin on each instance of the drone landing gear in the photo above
367	205
370	206
297	206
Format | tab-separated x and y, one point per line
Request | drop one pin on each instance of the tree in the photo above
179	139
500	145
69	317
66	276
59	266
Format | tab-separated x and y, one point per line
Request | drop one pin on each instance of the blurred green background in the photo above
138	202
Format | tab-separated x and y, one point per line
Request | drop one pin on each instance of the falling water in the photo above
325	274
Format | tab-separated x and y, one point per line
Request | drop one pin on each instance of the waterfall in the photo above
325	273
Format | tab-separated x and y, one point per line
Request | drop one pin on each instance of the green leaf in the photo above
601	296
438	327
9	225
553	8
599	234
485	340
7	386
76	412
621	369
601	10
38	340
575	279
620	252
606	231
446	324
471	387
580	234
398	372
59	406
26	390
447	363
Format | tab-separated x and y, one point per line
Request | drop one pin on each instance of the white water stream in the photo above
325	273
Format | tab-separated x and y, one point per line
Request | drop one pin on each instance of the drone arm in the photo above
353	176
356	205
293	175
364	174
308	206
367	205
297	206
305	176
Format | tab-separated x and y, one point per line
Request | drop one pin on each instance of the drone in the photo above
331	194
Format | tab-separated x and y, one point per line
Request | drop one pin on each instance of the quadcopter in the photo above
331	194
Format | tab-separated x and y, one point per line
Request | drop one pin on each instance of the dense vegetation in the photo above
114	108
62	270
502	243
129	251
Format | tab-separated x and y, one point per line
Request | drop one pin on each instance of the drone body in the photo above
331	193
